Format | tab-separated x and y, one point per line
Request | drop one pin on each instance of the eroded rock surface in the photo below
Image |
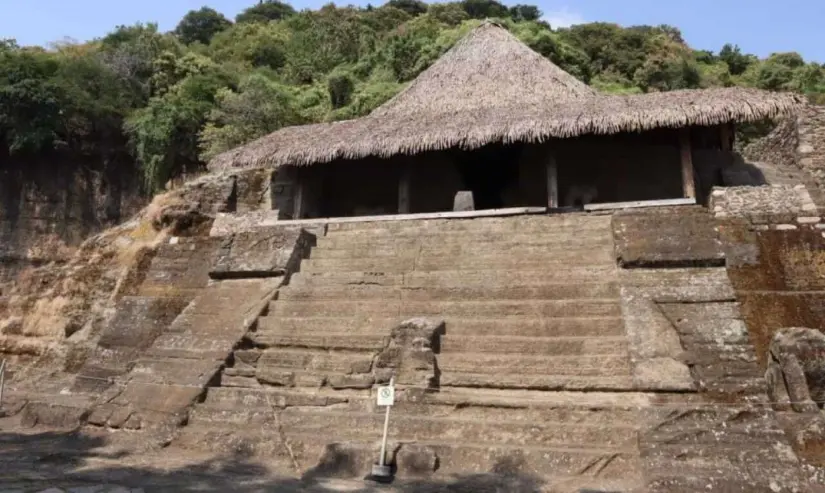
796	370
409	354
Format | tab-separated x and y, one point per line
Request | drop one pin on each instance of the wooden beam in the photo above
637	204
404	190
227	218
552	181
688	186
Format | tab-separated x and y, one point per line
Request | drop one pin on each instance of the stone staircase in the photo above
533	319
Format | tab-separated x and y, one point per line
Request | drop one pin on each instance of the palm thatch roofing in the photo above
490	87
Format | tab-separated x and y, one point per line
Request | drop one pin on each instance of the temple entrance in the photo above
492	174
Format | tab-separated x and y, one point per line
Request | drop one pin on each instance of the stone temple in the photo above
572	291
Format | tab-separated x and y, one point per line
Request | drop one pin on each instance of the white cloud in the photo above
563	17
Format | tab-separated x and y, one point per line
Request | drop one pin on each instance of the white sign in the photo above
386	395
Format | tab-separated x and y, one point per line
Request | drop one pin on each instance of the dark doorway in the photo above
488	173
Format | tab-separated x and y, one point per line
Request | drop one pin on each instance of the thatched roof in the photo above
488	88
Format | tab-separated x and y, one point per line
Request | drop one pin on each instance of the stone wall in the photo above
811	150
775	253
796	142
773	203
59	306
689	342
48	208
778	272
666	237
778	147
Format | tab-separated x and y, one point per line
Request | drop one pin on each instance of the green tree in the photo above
320	41
733	57
164	134
254	44
483	9
451	13
265	11
259	107
551	45
131	52
201	25
94	103
340	85
666	73
30	100
522	12
611	48
412	7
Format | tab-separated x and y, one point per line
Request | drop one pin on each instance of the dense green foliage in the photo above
174	100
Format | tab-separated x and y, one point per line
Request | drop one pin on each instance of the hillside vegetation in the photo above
171	101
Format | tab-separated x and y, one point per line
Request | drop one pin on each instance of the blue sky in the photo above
758	26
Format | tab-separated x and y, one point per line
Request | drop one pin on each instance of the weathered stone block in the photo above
275	377
416	460
248	356
344	460
409	355
463	201
139	320
364	381
762	203
668	236
266	252
53	415
100	415
180	268
119	417
796	369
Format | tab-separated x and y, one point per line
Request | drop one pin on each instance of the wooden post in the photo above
404	190
552	181
688	186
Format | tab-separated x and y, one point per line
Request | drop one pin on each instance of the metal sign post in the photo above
386	398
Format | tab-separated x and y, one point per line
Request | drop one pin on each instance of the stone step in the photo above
607	409
593	307
464	244
315	361
501	261
547	346
321	340
549	237
604	382
455	326
449	344
493	277
550	291
240	399
586	365
521	222
363	426
501	251
617	407
597	466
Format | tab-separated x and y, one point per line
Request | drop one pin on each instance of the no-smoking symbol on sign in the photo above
386	396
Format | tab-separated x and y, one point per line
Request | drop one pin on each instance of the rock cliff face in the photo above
61	277
48	209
